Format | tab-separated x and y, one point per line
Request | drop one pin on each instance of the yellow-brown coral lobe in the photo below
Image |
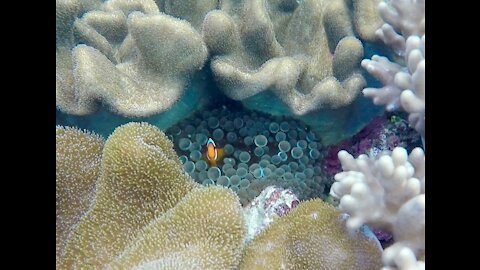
134	59
305	54
78	157
366	19
141	179
204	231
311	237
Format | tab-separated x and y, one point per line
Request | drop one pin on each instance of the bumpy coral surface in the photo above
141	178
78	157
203	231
312	236
383	133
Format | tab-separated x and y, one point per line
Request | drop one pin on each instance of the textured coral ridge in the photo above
312	236
306	54
146	203
185	235
78	158
132	58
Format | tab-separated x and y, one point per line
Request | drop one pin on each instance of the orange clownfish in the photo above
213	154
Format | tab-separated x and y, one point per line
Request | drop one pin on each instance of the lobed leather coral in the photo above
130	57
141	178
203	231
143	195
312	236
305	54
78	157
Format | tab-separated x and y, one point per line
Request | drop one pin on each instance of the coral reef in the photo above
259	150
307	55
78	156
143	73
148	213
312	236
104	59
144	199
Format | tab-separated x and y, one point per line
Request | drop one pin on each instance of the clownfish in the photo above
213	154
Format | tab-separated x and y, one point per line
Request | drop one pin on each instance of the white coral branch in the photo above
386	192
404	87
408	16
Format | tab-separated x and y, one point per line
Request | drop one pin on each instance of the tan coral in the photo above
203	231
366	19
313	236
106	29
167	53
78	156
307	55
141	179
193	11
133	59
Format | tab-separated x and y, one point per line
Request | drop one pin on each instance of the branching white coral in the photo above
404	87
386	192
408	16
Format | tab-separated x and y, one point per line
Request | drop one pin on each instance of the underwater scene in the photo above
240	134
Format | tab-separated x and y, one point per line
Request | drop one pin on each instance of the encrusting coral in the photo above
305	54
312	236
141	179
78	157
134	59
